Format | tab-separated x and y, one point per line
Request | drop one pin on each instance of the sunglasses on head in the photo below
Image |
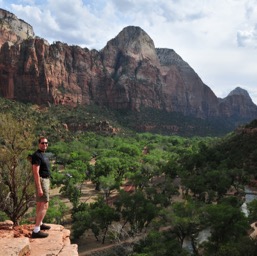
44	143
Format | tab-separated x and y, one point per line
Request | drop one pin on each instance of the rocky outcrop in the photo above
129	73
12	29
17	241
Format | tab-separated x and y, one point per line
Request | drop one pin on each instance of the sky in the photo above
217	38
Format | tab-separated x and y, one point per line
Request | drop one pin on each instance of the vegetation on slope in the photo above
154	167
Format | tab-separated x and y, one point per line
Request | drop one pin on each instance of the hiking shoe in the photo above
39	235
44	227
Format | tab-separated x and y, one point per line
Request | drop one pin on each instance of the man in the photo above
41	172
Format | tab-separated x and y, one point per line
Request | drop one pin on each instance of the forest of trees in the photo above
158	168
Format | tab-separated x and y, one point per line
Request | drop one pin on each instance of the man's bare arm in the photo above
35	169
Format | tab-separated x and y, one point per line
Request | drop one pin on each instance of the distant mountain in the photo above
240	92
128	75
238	103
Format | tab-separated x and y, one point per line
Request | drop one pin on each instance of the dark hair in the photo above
41	138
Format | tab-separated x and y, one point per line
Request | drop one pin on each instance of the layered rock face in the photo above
129	73
143	76
12	29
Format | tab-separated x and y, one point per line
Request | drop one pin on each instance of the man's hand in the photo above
40	192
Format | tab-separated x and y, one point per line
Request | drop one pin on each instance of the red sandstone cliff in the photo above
128	73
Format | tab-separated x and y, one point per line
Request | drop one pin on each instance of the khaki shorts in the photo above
45	184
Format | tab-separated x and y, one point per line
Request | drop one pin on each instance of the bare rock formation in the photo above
12	29
129	73
17	241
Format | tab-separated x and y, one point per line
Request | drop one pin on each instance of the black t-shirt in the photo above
39	158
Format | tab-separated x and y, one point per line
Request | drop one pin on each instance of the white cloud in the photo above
247	38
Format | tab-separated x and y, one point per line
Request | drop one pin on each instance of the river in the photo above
248	198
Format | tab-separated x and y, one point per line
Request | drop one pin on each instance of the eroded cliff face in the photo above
40	73
12	29
143	76
129	74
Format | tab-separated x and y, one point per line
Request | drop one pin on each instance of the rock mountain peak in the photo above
129	73
240	91
132	41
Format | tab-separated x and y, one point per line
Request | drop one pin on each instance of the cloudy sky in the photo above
217	38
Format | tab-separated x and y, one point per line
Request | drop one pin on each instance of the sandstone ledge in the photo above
17	242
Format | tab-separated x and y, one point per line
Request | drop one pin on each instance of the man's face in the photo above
43	144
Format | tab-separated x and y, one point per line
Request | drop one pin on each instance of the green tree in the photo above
129	149
186	221
105	166
97	216
72	181
16	179
107	184
82	220
159	244
56	212
103	216
227	224
252	209
243	247
139	175
136	210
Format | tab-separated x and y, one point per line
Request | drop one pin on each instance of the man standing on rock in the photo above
41	172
